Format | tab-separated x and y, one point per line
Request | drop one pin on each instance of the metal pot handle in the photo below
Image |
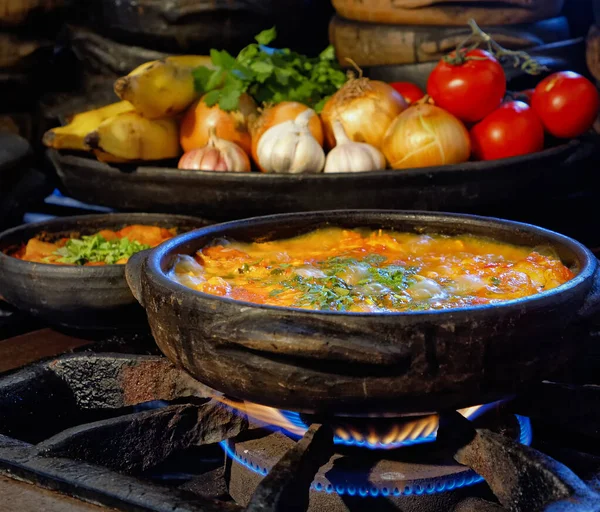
133	273
590	310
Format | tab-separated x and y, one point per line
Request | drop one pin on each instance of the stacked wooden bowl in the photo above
415	33
593	50
109	38
117	35
27	33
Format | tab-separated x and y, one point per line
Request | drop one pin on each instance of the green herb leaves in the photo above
96	249
332	292
325	293
269	75
393	276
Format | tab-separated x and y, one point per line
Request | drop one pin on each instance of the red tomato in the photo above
511	130
567	104
409	91
470	90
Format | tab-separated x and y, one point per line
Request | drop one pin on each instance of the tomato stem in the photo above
478	37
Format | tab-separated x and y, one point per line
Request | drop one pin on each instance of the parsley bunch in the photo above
96	249
269	75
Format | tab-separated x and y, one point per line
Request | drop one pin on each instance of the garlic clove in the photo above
218	155
290	147
311	157
349	156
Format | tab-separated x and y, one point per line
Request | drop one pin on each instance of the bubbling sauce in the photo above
362	270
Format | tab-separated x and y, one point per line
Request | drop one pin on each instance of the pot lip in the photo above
589	265
74	271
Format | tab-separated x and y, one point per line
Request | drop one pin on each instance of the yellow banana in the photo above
190	61
130	136
71	136
161	88
108	158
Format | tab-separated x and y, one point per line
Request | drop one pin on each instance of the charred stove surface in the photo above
85	410
521	478
133	433
139	441
286	487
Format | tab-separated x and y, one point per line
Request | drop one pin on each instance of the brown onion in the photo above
365	108
425	135
231	126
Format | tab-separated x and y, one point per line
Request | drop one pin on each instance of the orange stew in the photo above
102	248
371	271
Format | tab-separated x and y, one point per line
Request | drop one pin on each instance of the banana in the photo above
162	88
190	61
107	158
130	136
71	136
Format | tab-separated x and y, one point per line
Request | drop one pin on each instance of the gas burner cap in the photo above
416	470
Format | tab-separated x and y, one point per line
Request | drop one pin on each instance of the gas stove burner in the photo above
373	433
415	470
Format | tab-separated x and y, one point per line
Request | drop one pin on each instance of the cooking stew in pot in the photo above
364	270
103	248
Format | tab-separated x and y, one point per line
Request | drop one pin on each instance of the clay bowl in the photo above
361	363
77	296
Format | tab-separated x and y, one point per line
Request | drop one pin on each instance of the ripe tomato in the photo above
511	130
567	104
409	91
470	90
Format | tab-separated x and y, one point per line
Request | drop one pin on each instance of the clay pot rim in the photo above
155	261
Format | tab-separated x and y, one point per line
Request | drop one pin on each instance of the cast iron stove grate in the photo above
134	433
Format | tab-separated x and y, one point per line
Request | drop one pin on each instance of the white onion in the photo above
425	135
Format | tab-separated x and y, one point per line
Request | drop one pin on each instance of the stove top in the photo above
115	424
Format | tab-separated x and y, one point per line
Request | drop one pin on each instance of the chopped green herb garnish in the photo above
375	259
495	281
332	292
322	292
337	264
96	249
269	75
244	268
392	276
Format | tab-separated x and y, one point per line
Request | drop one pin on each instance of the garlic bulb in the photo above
290	147
217	155
350	156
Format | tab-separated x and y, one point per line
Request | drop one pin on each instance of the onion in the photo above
426	135
231	126
365	108
280	113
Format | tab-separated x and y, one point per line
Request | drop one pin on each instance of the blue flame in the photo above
466	479
295	419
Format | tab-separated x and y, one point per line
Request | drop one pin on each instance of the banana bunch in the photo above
130	136
71	136
161	88
143	126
